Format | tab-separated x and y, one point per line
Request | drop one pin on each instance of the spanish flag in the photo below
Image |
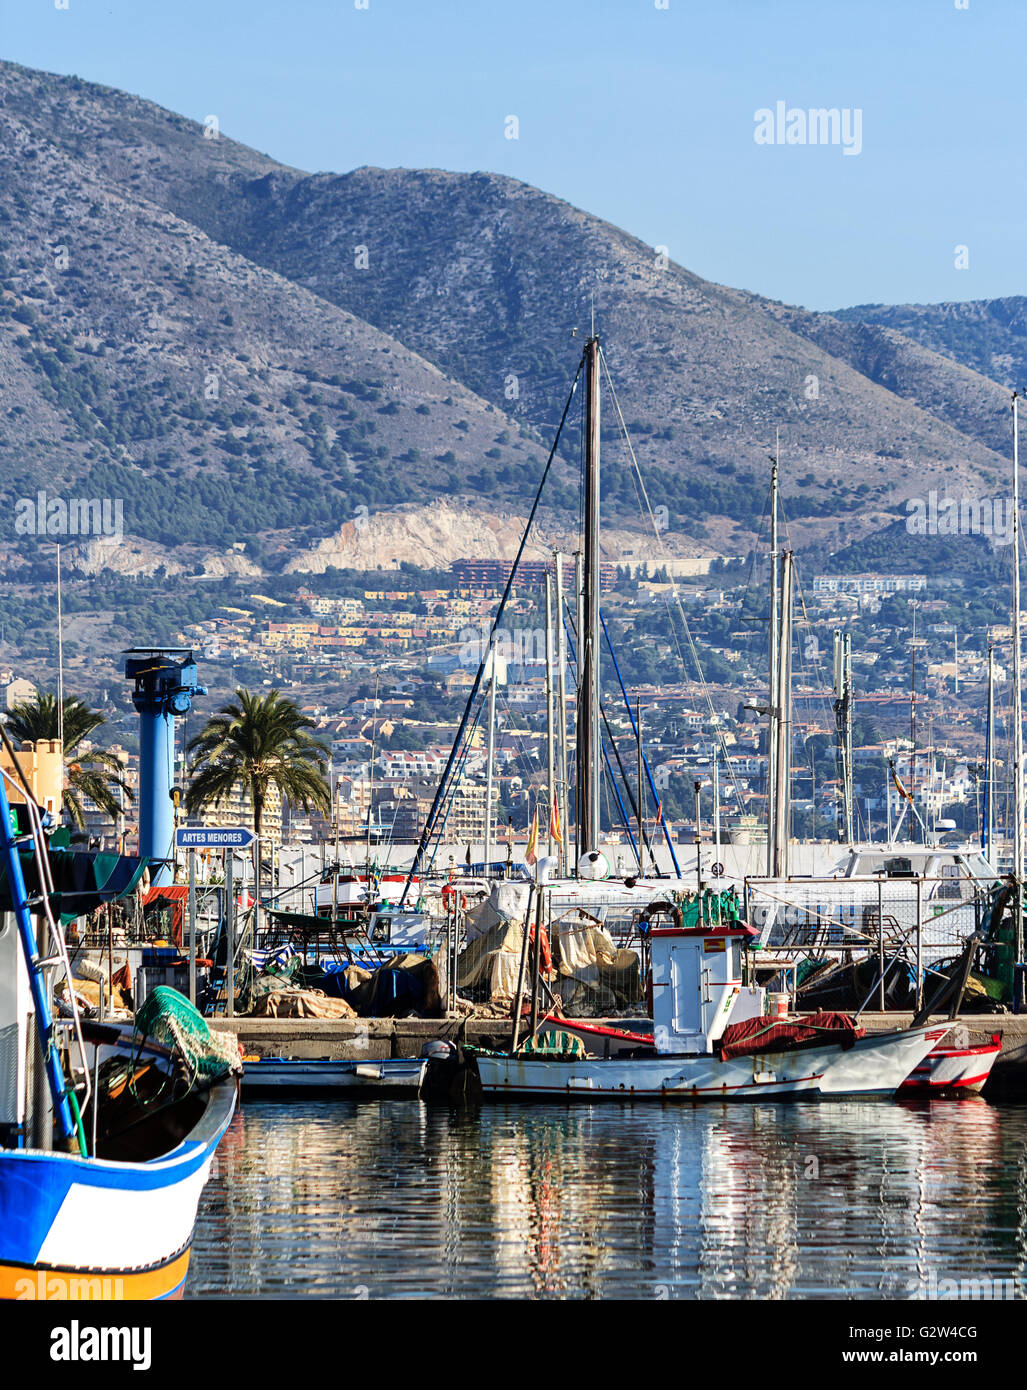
554	824
531	853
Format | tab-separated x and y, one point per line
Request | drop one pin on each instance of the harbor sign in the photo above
214	837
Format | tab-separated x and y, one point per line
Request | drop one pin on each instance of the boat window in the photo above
951	884
899	867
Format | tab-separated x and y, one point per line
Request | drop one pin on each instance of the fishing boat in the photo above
107	1133
960	1071
713	1040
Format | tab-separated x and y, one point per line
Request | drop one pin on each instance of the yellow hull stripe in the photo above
83	1285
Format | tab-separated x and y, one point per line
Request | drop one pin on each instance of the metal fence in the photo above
927	918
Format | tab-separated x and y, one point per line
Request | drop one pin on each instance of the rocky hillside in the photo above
989	335
142	361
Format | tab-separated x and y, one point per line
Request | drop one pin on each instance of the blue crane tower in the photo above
165	683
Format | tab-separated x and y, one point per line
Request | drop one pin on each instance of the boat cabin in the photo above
700	985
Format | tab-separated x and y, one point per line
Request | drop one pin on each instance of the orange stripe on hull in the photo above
84	1285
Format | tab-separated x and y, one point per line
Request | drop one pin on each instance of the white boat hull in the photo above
873	1065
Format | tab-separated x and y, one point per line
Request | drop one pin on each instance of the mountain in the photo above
988	335
142	361
244	351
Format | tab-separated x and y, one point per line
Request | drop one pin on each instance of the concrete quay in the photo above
377	1038
354	1039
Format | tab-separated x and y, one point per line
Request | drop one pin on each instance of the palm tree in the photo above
257	742
95	775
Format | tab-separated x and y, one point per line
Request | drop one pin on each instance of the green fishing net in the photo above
169	1018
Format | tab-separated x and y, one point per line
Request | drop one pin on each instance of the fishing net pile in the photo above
279	992
596	977
168	1018
591	975
404	985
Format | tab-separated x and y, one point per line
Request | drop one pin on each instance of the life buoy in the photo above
449	897
717	870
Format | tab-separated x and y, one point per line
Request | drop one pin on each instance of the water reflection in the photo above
396	1200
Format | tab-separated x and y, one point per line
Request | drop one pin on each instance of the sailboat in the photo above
906	907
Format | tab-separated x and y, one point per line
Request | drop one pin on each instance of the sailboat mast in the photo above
550	710
588	637
989	758
370	792
561	686
772	699
843	720
912	730
579	628
783	726
1017	690
850	818
638	774
490	763
60	656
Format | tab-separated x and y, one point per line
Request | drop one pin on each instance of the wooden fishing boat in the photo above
107	1133
115	1222
711	1043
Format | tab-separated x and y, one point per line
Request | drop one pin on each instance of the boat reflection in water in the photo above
391	1199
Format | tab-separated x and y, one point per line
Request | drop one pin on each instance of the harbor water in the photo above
893	1200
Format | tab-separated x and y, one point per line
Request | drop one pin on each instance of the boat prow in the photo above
953	1071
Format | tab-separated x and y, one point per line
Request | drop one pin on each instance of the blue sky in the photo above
639	114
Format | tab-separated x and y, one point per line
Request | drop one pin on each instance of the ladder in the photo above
37	966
